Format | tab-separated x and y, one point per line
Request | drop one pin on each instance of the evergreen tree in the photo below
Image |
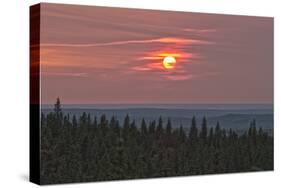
74	121
126	128
211	137
204	131
143	127
57	108
169	127
218	135
159	129
151	128
95	124
193	132
182	135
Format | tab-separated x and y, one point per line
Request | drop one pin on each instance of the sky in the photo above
100	55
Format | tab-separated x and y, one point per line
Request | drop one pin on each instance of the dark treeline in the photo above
75	149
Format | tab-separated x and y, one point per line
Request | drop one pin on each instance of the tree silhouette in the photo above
193	132
204	131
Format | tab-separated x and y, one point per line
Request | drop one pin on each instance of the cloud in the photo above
160	55
65	74
181	41
199	30
179	77
138	68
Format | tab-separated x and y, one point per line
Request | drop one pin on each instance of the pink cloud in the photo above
139	68
199	30
67	74
159	40
179	77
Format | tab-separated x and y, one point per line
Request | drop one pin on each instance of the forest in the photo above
77	149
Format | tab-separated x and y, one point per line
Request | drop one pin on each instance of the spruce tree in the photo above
57	107
211	137
204	131
159	129
169	127
151	128
143	127
193	132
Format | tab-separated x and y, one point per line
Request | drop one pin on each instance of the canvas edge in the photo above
34	93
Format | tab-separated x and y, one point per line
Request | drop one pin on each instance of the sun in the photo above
169	62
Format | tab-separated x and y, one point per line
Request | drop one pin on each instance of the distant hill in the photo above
228	118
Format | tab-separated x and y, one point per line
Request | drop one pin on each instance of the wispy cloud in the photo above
160	55
199	30
179	77
181	41
140	68
65	74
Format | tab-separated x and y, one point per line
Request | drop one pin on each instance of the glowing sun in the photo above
169	62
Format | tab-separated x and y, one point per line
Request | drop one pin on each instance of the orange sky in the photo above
110	55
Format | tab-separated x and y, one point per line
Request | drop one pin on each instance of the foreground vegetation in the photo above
76	149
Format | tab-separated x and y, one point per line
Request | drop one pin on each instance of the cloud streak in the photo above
199	31
65	74
181	41
179	77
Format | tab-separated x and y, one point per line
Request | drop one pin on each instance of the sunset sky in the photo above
93	55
